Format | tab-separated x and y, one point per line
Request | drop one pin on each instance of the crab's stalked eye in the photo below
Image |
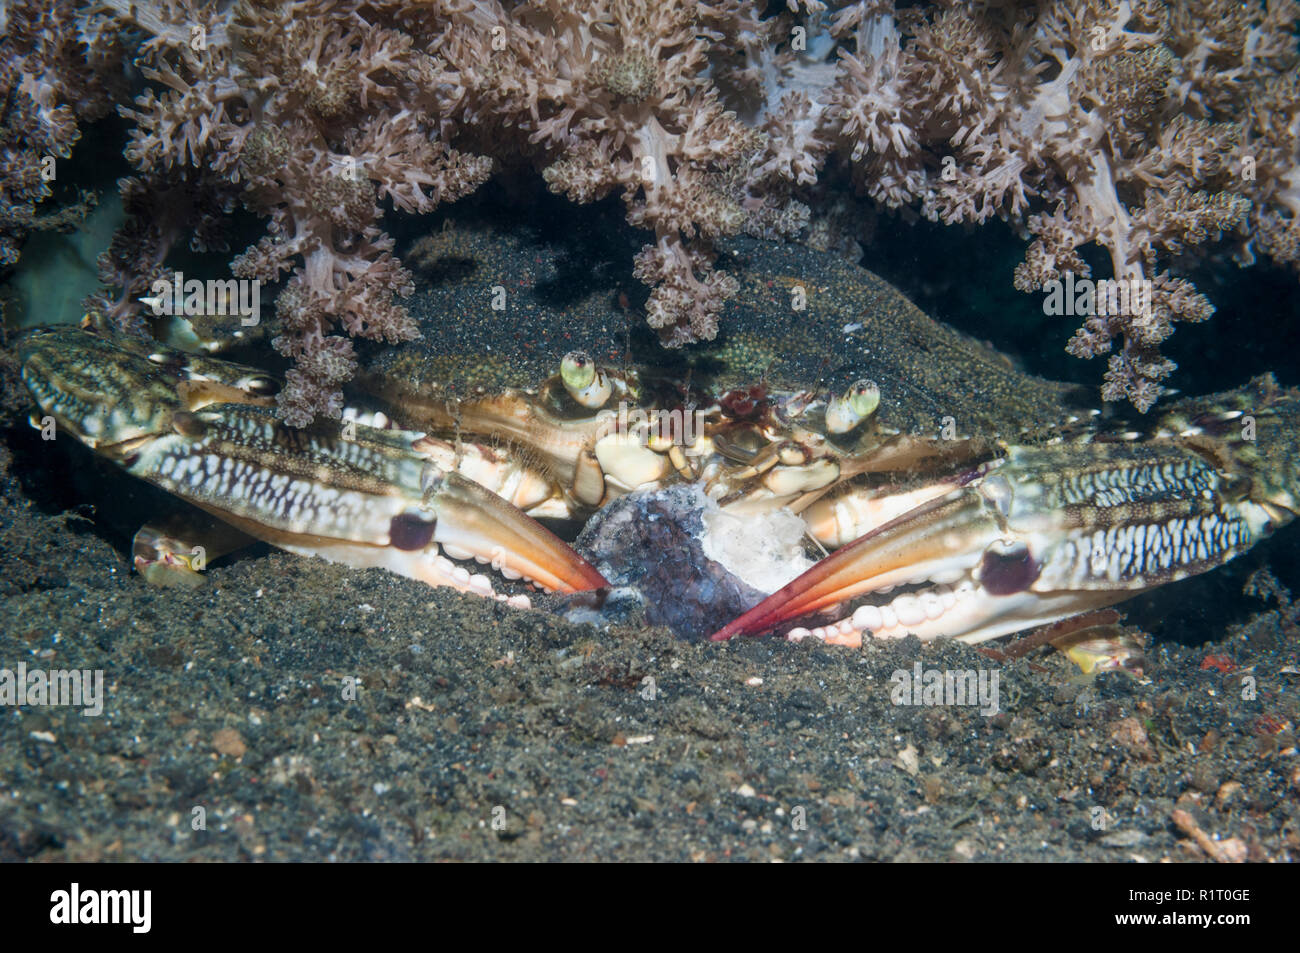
847	410
586	383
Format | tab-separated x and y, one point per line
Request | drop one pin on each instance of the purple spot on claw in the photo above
408	532
1012	571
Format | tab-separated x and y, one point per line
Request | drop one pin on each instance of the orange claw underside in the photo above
580	575
555	565
476	519
815	589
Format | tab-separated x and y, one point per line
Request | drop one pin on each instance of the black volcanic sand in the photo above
231	698
482	733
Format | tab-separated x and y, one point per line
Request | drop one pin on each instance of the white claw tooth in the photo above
846	627
480	584
932	604
444	565
510	573
456	552
798	634
460	574
908	609
867	617
888	620
519	602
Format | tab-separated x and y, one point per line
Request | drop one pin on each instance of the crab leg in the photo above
175	551
1044	534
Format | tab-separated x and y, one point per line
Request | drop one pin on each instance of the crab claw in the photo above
472	522
365	500
203	430
936	540
1042	535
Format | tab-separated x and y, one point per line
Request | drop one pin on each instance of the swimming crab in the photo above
957	495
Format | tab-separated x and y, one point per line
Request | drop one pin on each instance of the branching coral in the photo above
1081	121
616	96
317	111
322	109
1150	130
1271	152
56	71
1147	129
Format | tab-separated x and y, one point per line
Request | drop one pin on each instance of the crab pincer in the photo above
1042	534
